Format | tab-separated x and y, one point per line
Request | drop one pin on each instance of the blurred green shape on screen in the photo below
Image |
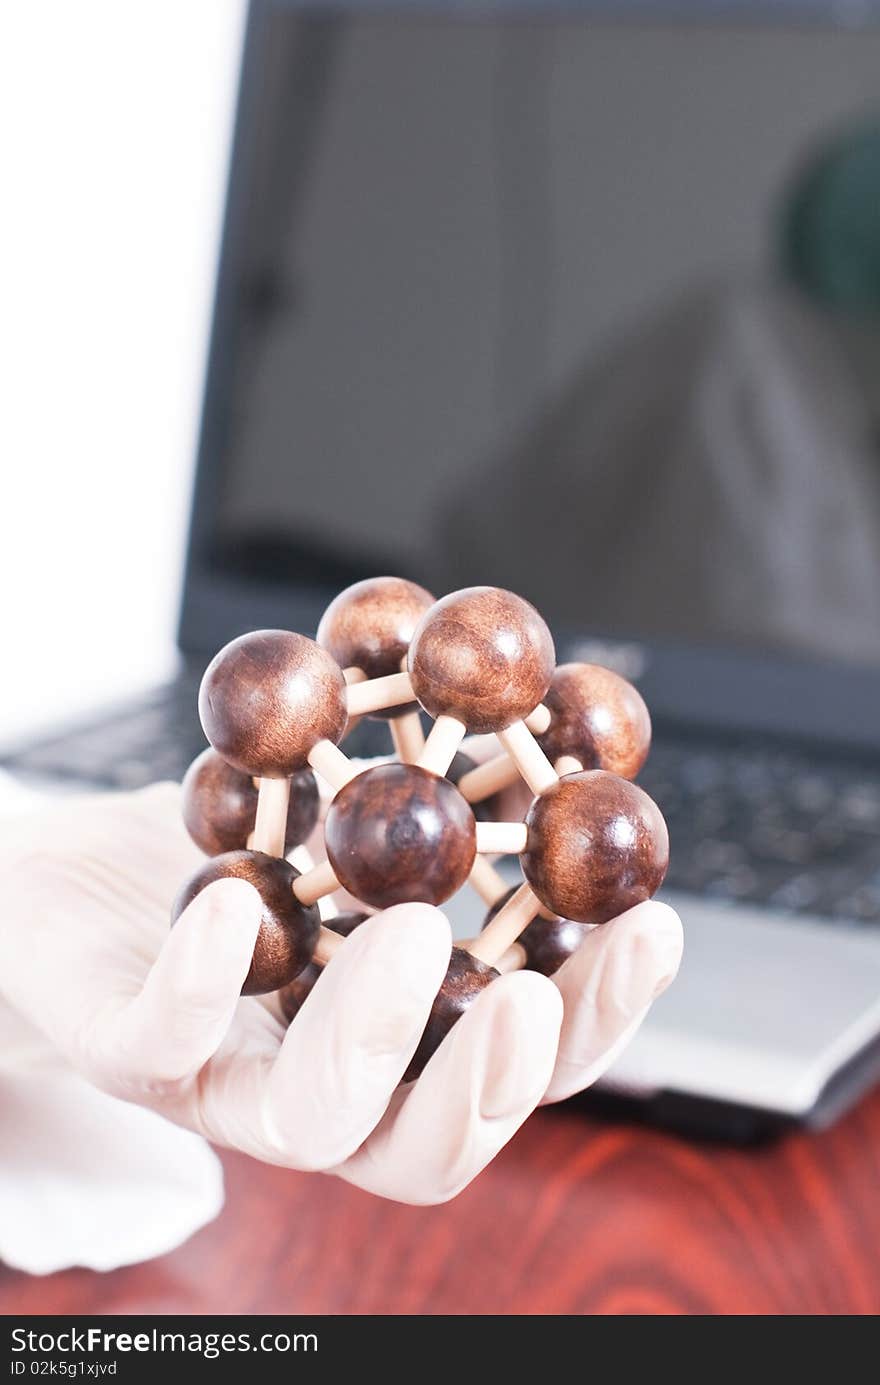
831	223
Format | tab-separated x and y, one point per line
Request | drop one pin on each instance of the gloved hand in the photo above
154	1015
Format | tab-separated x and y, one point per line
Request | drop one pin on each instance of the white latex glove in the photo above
77	1167
85	1179
154	1015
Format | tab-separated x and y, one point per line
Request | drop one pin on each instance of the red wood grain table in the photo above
578	1215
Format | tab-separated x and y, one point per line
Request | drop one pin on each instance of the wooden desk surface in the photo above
576	1216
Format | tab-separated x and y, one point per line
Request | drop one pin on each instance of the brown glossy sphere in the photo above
599	718
219	805
547	942
288	930
466	977
369	626
482	655
397	834
267	698
292	996
596	846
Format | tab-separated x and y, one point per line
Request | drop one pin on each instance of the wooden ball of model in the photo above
466	978
267	699
369	626
596	846
599	718
292	996
483	656
219	805
288	930
547	943
397	834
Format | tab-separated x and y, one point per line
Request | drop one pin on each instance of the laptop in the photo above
498	301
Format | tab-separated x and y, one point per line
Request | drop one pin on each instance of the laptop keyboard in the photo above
758	824
156	738
748	822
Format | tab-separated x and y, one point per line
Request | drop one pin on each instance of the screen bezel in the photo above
721	690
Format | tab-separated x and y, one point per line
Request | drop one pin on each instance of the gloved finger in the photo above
607	987
180	1016
485	1078
150	845
154	837
351	1042
110	855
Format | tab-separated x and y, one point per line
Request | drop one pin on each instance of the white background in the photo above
114	127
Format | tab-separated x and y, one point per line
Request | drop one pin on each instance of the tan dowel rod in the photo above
484	878
270	828
352	676
408	737
440	749
514	959
538	721
504	929
489	778
530	759
317	882
501	838
333	766
375	694
328	943
568	764
302	859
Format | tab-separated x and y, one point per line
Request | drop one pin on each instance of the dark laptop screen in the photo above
586	310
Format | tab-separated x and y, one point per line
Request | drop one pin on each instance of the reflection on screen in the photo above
516	310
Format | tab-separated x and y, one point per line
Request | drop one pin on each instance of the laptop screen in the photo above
582	309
